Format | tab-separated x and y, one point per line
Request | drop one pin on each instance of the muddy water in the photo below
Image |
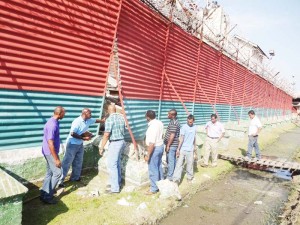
243	196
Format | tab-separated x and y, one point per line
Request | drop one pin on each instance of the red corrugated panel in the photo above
56	46
239	85
208	72
181	65
225	81
141	42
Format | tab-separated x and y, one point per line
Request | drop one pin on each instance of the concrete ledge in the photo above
11	195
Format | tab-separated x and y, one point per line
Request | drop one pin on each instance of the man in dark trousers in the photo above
171	141
50	149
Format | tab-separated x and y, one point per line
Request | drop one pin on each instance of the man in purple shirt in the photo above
50	149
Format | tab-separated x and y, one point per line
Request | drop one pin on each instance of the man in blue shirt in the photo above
185	150
114	132
50	149
74	150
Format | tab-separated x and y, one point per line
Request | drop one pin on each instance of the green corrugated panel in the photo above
181	113
24	113
135	111
202	113
224	112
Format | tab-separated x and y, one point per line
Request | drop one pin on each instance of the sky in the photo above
273	25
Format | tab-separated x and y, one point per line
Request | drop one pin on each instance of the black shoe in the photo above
79	179
109	192
49	202
61	185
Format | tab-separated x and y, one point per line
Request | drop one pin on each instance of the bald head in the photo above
85	110
59	112
86	113
111	109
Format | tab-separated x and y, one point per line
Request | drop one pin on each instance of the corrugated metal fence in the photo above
52	53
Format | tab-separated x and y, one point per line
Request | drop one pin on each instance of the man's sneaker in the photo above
203	165
214	165
61	185
109	192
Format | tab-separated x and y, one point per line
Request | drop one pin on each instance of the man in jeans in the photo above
74	150
254	128
171	141
186	150
114	132
50	149
154	141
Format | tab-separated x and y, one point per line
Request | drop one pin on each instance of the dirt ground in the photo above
74	208
243	196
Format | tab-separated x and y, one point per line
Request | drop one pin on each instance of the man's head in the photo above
112	109
190	120
213	118
150	115
86	114
59	112
172	114
251	114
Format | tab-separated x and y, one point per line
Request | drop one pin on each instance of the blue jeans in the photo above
189	158
253	144
155	167
171	162
115	150
52	177
73	155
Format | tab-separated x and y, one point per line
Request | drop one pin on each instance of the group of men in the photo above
57	170
179	143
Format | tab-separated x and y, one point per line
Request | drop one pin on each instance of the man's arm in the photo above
181	138
100	120
77	136
222	135
104	141
170	141
150	150
53	153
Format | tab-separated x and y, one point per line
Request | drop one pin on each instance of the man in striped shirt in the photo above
171	141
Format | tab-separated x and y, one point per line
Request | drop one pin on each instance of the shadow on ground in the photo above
36	212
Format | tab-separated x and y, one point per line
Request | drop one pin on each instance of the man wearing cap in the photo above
215	132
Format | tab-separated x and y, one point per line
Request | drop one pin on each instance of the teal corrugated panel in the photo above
235	113
181	113
24	113
223	112
135	112
202	113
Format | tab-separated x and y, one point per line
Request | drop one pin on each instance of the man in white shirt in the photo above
155	150
254	128
215	132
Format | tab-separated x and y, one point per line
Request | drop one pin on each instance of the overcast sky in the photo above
272	24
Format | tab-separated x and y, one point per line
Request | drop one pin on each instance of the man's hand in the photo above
167	149
57	163
146	157
87	138
101	150
177	153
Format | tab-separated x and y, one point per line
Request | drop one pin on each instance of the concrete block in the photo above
11	194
